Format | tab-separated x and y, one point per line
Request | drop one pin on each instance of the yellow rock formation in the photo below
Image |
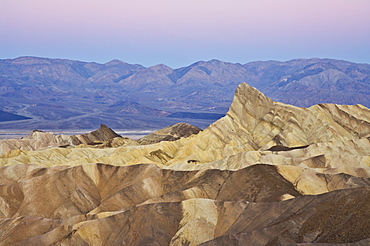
246	177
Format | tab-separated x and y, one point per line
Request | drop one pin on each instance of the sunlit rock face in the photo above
265	174
255	122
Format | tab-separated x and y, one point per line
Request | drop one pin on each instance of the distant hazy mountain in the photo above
59	93
306	82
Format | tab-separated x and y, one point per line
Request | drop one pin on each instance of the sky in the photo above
180	32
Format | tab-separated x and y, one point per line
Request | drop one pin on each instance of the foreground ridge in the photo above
143	204
267	173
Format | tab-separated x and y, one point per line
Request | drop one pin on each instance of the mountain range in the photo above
66	94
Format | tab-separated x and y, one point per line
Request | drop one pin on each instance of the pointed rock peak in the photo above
249	100
102	134
106	132
246	93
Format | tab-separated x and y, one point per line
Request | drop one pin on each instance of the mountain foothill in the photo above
66	94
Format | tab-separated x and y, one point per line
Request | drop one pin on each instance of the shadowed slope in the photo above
171	133
98	188
97	204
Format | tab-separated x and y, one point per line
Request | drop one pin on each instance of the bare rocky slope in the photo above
267	173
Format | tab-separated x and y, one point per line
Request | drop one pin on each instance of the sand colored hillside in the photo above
38	140
253	123
265	174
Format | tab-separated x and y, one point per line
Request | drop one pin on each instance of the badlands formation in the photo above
265	174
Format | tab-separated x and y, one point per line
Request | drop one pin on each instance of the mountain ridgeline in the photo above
58	93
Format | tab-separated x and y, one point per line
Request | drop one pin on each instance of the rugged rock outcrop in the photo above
265	174
171	133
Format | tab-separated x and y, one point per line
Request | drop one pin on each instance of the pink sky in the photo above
178	33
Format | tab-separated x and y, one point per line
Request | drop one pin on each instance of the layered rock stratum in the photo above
267	173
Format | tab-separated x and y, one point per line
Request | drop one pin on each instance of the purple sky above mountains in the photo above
180	32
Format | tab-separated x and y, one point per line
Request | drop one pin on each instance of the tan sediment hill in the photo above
265	174
170	133
37	140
